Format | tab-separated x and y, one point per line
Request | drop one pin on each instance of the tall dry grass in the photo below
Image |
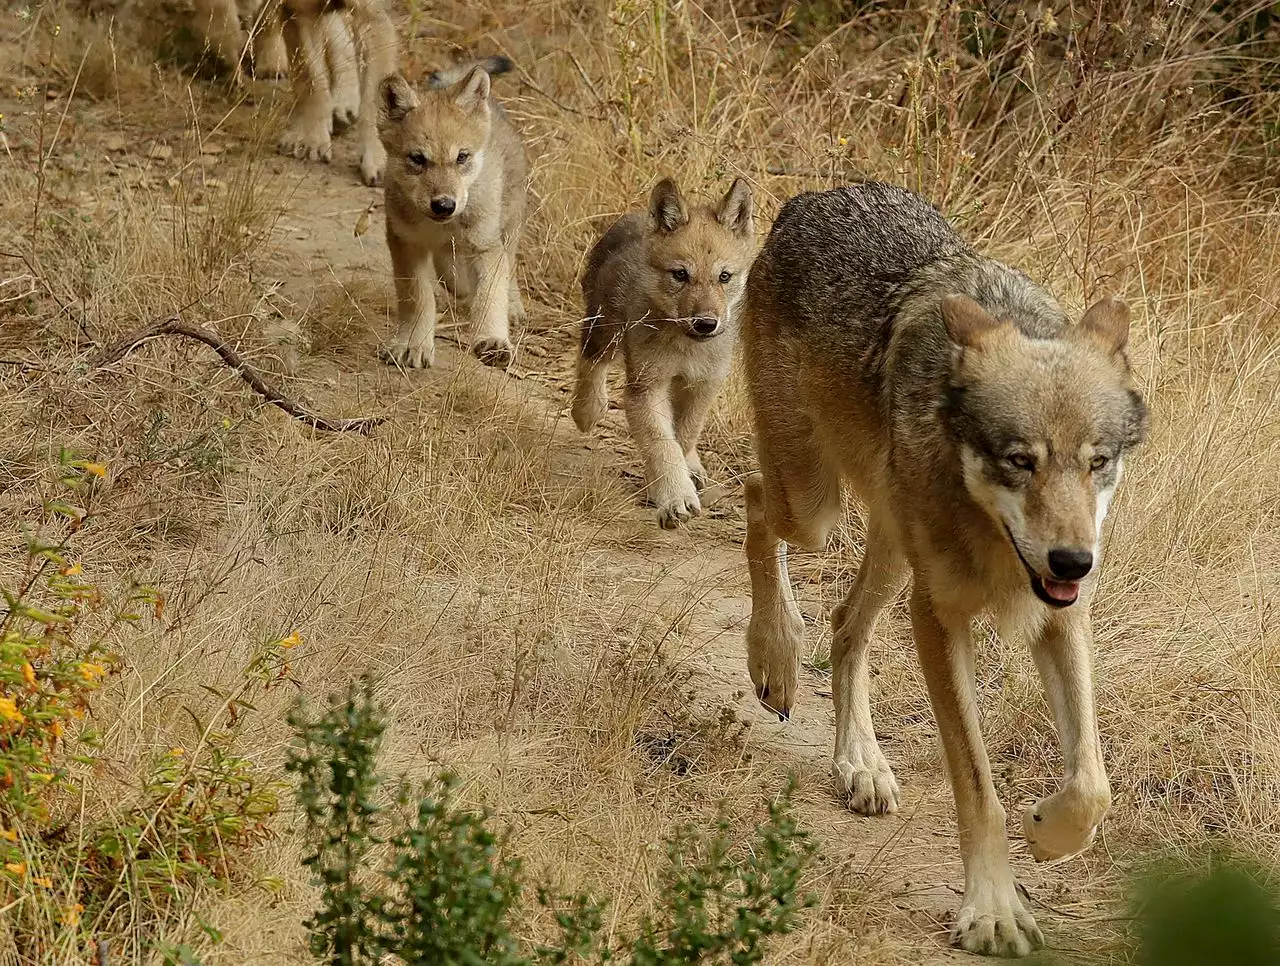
529	627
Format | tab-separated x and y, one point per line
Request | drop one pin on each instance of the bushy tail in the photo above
451	75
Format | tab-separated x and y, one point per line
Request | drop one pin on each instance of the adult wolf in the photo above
985	436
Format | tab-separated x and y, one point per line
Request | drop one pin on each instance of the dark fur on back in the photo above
451	75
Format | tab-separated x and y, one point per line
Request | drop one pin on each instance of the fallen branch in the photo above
176	326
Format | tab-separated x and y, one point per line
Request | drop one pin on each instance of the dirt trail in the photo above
910	859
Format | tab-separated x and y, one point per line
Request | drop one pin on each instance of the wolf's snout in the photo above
705	326
443	207
1069	564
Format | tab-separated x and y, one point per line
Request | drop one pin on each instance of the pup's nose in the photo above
706	325
1067	564
443	206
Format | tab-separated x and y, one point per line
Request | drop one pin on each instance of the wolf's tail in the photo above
451	75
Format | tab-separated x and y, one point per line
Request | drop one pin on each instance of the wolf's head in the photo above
697	258
435	141
1043	426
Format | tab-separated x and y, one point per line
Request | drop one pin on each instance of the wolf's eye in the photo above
417	159
725	276
1021	461
464	157
681	275
1098	462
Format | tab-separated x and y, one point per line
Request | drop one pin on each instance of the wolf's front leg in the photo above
415	279
308	135
491	337
692	404
1066	821
344	70
992	919
666	475
380	51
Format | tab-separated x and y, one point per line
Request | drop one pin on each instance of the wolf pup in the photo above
457	180
661	287
985	436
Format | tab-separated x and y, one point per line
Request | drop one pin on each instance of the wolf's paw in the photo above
307	142
588	407
774	638
1064	823
993	921
493	352
865	783
697	472
344	115
373	162
410	353
677	502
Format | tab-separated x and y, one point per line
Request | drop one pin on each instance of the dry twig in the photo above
176	326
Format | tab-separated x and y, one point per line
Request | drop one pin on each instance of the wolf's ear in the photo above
396	98
1107	323
666	207
472	92
967	322
735	210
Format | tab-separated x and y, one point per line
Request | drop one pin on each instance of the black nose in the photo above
705	325
443	206
1070	564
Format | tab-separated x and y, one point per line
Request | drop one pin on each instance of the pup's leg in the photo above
601	343
344	72
457	273
380	51
775	633
270	55
666	477
415	279
218	22
491	337
992	918
1065	822
308	134
861	772
692	404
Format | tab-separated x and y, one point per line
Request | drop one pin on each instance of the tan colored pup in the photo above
262	47
661	288
985	435
457	181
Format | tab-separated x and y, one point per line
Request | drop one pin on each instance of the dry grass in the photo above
529	626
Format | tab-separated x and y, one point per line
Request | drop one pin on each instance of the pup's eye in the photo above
1021	461
417	159
680	274
725	276
464	157
1098	462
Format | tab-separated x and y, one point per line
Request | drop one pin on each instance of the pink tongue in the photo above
1062	589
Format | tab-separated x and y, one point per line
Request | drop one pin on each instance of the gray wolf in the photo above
661	289
985	436
456	188
218	23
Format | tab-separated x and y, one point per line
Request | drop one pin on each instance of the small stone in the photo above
211	147
115	143
160	152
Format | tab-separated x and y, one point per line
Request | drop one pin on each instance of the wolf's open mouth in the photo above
1055	593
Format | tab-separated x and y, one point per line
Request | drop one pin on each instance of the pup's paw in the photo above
588	407
697	472
865	782
994	922
1064	823
494	352
774	638
373	163
307	141
410	353
677	502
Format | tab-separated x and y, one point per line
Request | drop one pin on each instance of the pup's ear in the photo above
967	322
1106	322
396	98
735	210
666	207
472	92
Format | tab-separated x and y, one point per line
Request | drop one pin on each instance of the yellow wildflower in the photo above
72	916
177	752
8	834
72	570
92	672
96	469
28	674
17	868
292	641
44	882
55	728
9	711
40	776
